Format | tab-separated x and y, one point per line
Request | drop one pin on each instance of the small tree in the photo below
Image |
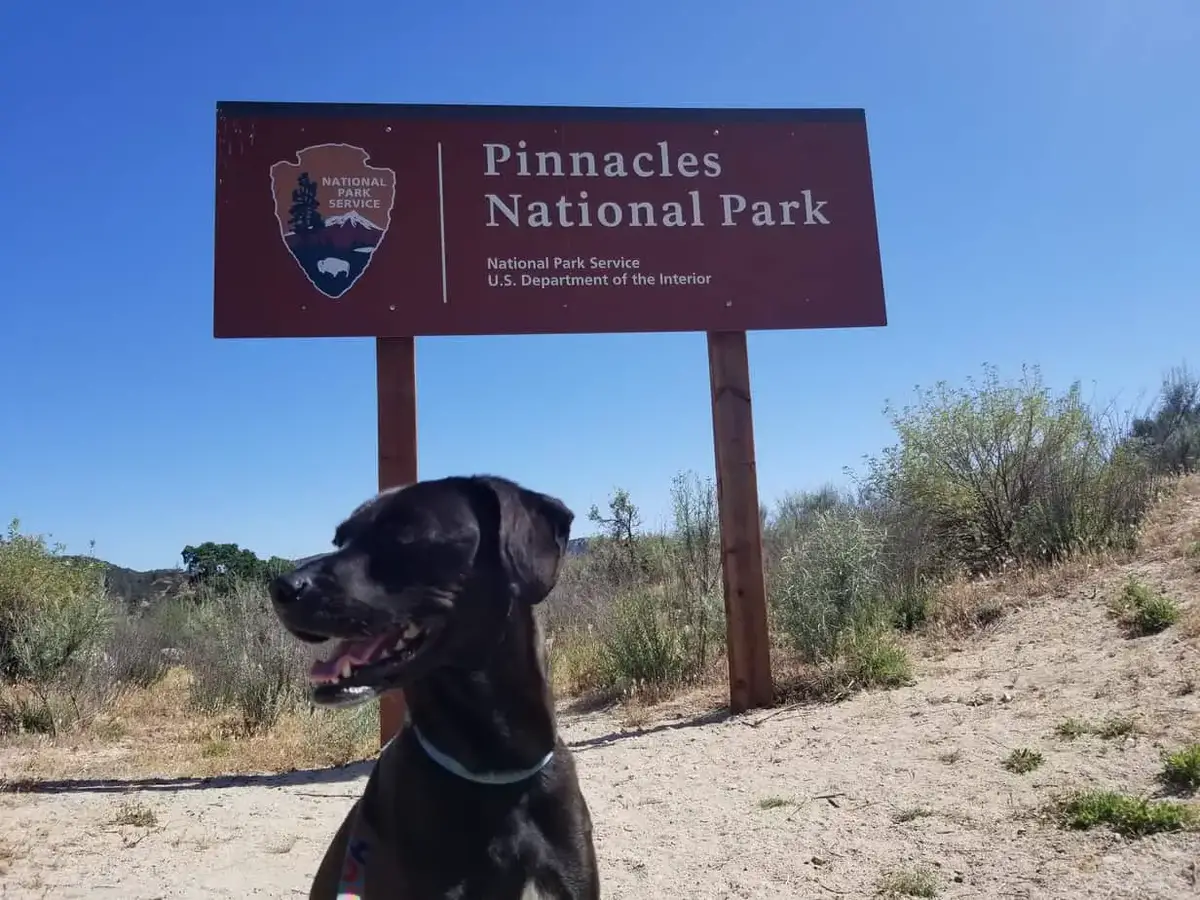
304	216
621	525
220	566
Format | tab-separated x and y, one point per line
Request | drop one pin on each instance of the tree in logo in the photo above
303	217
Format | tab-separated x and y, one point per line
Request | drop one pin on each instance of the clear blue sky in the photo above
1037	173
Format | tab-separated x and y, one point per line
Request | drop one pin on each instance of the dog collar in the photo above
454	767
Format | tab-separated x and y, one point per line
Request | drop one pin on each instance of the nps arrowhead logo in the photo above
333	211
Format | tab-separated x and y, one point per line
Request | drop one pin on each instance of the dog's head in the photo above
423	577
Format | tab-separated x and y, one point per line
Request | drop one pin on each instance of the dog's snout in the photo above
287	588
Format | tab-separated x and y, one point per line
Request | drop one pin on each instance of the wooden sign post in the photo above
394	221
747	639
396	387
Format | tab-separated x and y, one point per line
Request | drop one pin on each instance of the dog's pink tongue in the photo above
358	653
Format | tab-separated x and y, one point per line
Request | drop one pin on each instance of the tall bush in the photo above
995	471
794	516
54	611
829	586
693	587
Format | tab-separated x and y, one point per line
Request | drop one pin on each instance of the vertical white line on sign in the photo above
442	221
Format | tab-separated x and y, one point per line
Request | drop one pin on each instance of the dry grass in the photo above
152	731
775	802
1170	534
912	814
574	659
134	815
1189	622
10	852
965	607
1172	528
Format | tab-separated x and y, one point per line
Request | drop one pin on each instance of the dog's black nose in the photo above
287	588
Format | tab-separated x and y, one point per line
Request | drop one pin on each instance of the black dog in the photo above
432	588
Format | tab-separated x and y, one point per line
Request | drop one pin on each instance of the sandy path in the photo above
679	808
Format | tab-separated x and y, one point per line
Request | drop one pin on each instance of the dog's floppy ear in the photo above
534	530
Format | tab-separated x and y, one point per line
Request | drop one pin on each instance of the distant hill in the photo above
133	587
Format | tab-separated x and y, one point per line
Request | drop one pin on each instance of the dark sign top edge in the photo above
248	109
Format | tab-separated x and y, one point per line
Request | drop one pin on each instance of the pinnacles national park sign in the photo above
396	221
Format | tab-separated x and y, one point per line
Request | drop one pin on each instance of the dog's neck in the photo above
495	718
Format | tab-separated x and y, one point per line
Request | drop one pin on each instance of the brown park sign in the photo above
399	221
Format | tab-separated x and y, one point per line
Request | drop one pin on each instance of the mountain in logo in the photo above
332	247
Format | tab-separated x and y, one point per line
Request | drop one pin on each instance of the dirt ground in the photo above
816	801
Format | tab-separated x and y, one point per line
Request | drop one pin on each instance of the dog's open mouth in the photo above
352	670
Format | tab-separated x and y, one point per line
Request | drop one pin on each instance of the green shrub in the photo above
873	658
54	612
692	583
910	601
794	517
1023	760
1181	769
829	586
911	883
1143	610
997	472
1128	816
641	647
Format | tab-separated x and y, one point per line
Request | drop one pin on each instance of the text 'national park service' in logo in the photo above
333	211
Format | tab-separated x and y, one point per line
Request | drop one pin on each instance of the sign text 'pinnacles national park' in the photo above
394	220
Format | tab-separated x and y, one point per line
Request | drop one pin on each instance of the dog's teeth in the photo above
411	631
347	668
